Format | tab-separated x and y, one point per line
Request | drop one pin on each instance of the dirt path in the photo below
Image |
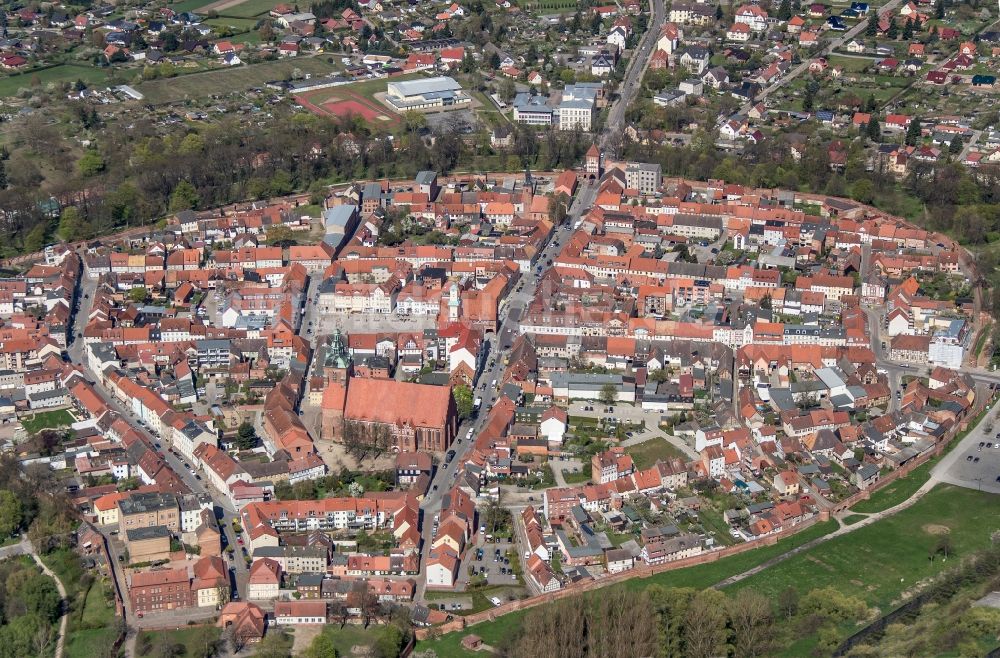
62	592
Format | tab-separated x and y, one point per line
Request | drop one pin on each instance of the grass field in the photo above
57	74
701	576
249	8
899	545
238	24
48	420
201	85
646	453
189	637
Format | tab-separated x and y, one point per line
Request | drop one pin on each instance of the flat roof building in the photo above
428	93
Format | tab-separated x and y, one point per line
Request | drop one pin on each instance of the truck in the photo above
476	404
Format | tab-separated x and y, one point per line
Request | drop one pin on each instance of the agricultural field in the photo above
91	75
196	86
244	9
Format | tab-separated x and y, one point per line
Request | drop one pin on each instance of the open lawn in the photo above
90	75
646	453
88	643
201	85
900	545
48	420
701	576
192	638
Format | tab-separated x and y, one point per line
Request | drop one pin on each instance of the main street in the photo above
224	509
633	77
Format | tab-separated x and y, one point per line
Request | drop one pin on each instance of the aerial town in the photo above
570	296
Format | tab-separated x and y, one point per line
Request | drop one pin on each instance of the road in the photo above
825	52
224	509
633	78
510	313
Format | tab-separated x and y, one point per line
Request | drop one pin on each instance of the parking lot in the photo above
975	462
980	463
485	559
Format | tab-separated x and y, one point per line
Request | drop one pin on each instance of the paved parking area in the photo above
975	462
490	562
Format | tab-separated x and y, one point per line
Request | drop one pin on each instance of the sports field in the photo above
342	102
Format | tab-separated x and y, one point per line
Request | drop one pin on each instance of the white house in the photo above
553	425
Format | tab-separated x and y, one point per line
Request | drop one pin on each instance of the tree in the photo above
463	400
11	513
939	9
41	597
246	436
608	394
943	546
750	617
507	90
893	30
788	602
705	634
785	10
321	647
956	145
873	130
558	208
872	28
35	239
71	226
184	197
90	163
913	132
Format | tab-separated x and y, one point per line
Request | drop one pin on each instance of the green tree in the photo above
939	9
321	647
785	10
913	132
71	226
872	28
463	400
246	436
956	145
193	143
41	597
11	513
184	197
608	394
873	130
35	239
863	190
893	30
908	30
90	163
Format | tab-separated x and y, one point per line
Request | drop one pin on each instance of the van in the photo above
496	601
